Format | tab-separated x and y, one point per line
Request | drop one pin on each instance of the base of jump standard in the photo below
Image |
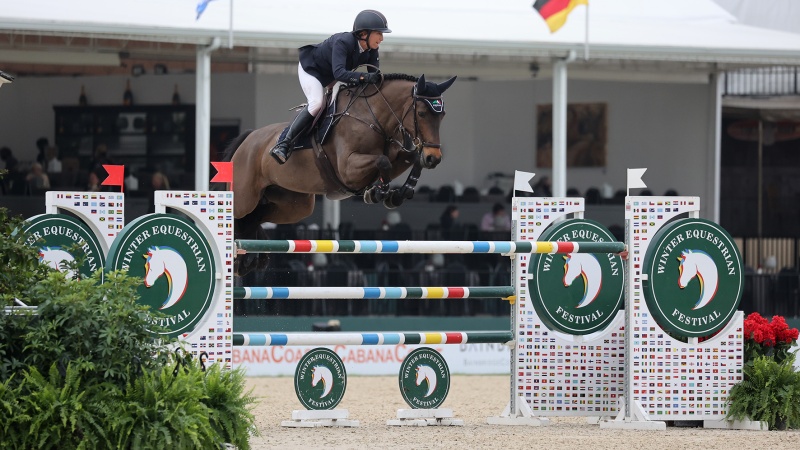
522	416
320	418
425	418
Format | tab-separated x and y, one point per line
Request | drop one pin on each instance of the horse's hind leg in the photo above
284	206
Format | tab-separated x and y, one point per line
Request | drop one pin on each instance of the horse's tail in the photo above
231	148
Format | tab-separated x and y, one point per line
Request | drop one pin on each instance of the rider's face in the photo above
374	40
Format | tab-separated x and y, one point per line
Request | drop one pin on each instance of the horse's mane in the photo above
399	76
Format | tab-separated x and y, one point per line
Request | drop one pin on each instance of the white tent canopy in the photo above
682	30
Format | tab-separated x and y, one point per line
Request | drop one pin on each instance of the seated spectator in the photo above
448	218
10	164
497	219
93	182
52	164
37	179
158	182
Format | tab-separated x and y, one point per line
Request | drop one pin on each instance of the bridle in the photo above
410	143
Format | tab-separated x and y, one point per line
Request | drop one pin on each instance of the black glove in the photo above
370	78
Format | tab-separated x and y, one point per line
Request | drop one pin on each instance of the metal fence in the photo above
762	81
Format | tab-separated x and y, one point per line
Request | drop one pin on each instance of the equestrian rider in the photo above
334	59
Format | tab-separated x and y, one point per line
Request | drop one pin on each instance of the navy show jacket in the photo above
335	58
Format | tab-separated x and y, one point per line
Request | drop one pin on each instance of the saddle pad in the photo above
321	130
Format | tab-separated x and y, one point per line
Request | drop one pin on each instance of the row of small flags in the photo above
116	174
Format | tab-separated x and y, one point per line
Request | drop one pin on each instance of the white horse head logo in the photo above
166	261
695	263
323	374
57	259
426	373
586	266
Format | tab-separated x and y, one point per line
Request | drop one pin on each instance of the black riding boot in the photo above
283	149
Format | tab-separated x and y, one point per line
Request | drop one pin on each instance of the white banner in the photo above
472	359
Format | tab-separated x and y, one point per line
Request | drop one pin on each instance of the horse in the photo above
586	266
323	374
377	132
426	373
696	263
163	260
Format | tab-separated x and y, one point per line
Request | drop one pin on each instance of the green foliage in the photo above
98	328
19	262
162	411
770	392
109	381
229	405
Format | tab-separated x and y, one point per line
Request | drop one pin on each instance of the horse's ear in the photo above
421	83
443	86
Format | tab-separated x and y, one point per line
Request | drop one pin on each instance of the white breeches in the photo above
312	88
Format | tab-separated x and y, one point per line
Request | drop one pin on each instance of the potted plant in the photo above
770	389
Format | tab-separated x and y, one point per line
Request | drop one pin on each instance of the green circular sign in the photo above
58	236
577	293
320	379
424	379
694	277
175	263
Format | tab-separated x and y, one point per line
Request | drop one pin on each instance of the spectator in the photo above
52	164
99	158
158	182
131	182
93	182
37	179
13	175
448	218
9	160
543	188
42	144
496	220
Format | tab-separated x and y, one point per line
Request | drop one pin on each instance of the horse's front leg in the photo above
380	191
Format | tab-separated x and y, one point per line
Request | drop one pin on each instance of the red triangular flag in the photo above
116	175
224	172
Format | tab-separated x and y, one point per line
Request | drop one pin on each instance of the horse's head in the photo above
324	375
154	266
428	109
571	271
687	269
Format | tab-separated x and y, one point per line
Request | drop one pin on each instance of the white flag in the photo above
522	181
635	178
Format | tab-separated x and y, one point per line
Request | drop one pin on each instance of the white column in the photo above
560	124
202	132
712	196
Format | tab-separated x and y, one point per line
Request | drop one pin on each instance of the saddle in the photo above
323	121
314	138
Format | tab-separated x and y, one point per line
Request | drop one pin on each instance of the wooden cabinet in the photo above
144	138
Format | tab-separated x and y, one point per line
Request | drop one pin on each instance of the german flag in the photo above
555	12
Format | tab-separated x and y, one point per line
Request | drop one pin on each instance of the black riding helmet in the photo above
370	20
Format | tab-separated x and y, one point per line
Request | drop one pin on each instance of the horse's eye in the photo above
421	113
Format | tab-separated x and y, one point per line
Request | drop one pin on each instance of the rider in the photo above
334	59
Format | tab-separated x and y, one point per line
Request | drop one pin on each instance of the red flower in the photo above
787	336
779	323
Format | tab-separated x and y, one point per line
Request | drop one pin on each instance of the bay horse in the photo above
378	132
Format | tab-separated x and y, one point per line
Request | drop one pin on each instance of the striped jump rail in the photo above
244	246
343	338
372	292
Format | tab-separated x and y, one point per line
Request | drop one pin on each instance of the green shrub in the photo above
770	392
109	382
99	328
19	262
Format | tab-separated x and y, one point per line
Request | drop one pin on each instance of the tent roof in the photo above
447	31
